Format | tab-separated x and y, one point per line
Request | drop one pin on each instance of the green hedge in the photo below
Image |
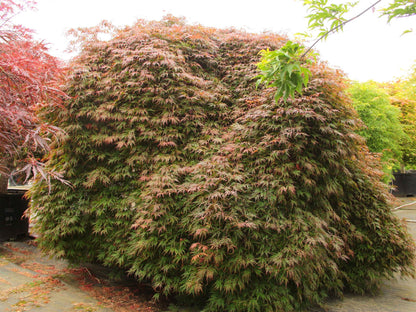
187	176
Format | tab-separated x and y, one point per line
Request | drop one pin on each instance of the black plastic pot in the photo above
404	184
13	224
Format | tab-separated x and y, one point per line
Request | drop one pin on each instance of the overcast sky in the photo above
368	49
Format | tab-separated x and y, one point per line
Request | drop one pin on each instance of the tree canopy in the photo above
383	130
403	95
30	79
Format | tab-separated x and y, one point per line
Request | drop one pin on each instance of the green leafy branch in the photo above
400	8
332	13
283	69
322	13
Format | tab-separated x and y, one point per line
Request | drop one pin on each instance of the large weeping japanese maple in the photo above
187	176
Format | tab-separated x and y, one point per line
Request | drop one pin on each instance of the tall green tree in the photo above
403	95
382	129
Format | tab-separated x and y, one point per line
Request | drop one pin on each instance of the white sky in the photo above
368	49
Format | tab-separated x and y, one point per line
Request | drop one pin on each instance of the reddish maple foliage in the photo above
29	82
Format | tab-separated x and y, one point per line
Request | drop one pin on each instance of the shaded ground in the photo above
30	281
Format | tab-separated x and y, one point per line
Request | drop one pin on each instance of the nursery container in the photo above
404	184
13	223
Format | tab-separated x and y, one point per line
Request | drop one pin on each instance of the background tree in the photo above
29	82
383	130
403	95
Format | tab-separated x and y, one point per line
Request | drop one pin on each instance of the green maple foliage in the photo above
383	131
403	96
189	177
283	69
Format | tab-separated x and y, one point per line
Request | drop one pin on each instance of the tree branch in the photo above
336	28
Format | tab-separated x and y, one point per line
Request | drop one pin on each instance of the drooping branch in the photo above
30	82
